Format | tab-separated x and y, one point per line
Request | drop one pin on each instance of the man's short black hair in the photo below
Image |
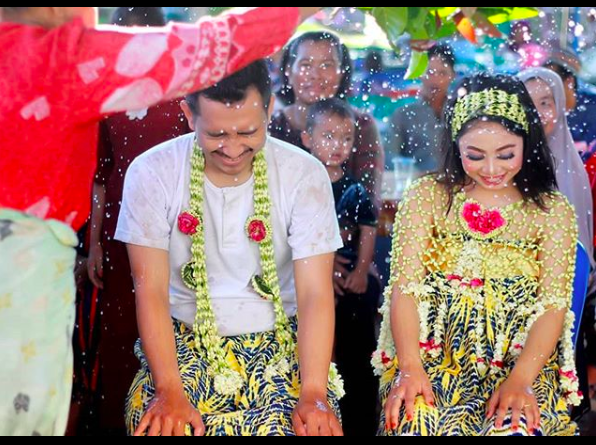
234	89
445	53
328	107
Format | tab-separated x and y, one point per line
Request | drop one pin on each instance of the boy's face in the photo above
230	134
331	140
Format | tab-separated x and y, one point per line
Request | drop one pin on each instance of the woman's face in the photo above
491	155
316	73
544	100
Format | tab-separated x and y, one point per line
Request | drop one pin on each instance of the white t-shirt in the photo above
156	192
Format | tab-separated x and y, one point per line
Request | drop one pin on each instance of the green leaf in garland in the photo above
188	276
261	287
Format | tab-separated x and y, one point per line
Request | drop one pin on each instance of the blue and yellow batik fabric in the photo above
263	407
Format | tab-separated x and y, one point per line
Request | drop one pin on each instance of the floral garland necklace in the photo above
483	224
228	381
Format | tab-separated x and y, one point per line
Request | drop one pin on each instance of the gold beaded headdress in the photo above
488	103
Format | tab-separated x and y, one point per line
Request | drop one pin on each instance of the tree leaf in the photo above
418	65
392	20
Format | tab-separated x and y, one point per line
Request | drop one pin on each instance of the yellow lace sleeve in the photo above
556	257
413	231
412	238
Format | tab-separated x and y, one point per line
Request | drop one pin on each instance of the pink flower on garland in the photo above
188	223
571	375
429	346
257	231
477	282
482	221
474	283
498	364
454	278
385	359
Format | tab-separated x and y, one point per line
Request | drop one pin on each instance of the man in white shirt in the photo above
173	391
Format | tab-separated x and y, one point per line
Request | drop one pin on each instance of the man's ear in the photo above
271	108
190	117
